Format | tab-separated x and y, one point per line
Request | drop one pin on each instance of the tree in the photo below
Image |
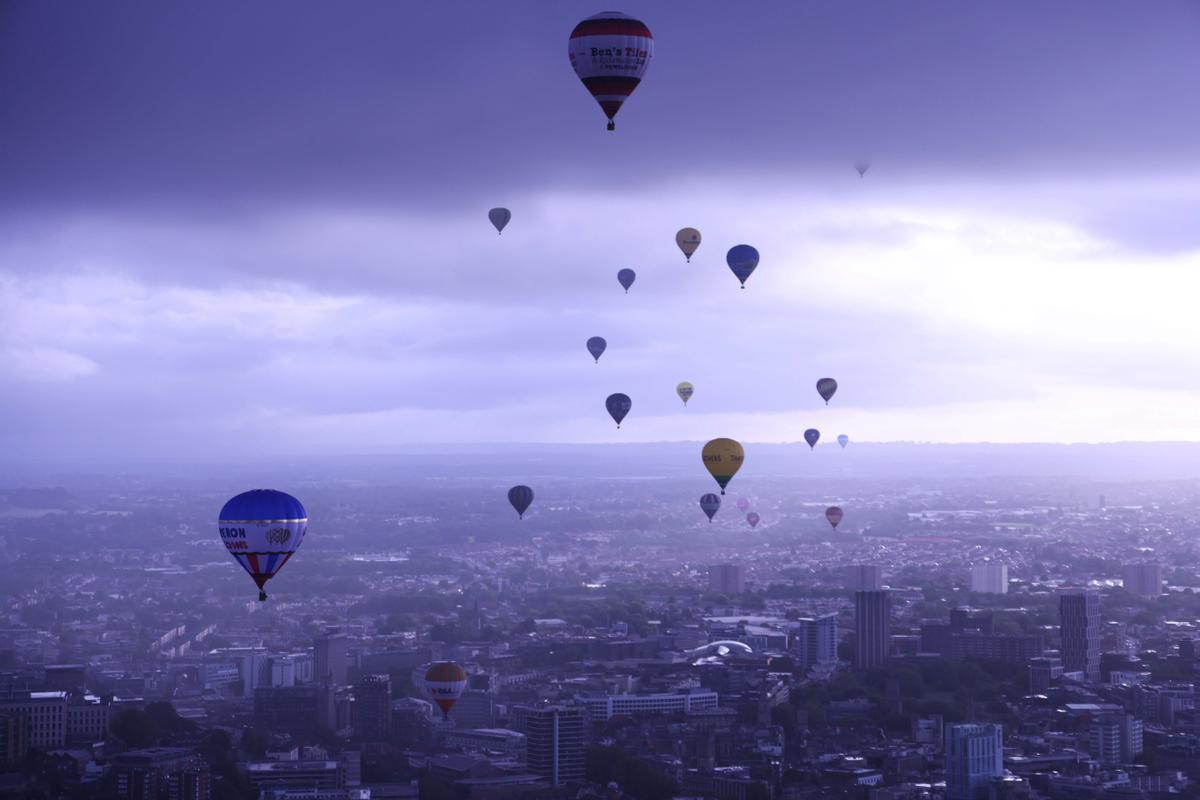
135	728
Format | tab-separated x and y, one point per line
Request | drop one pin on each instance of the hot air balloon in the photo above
685	391
710	504
811	436
499	218
688	240
596	346
834	515
742	259
862	165
843	440
826	387
723	458
261	529
520	497
445	681
626	277
743	505
753	519
618	406
610	53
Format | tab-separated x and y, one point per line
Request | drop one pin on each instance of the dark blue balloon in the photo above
520	497
626	277
811	436
596	346
262	505
742	259
618	406
709	504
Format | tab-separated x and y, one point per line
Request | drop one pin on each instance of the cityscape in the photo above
953	637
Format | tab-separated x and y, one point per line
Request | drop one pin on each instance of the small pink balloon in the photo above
743	504
753	519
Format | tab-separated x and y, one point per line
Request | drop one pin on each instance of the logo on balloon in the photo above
278	535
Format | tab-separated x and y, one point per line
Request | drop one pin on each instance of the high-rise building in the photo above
814	640
974	757
727	579
331	661
872	628
554	743
373	708
864	578
1079	621
989	578
1115	738
1143	580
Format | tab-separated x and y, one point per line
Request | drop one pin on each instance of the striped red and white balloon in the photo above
610	53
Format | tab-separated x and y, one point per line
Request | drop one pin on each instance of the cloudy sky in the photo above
261	228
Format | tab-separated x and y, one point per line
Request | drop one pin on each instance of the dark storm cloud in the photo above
223	107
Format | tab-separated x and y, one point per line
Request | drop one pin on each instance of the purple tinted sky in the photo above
262	227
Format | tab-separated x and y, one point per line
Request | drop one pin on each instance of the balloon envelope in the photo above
834	515
742	259
626	277
826	387
596	346
610	53
753	519
499	218
618	406
444	682
743	504
710	504
520	497
688	240
723	458
685	391
262	529
862	165
811	436
843	440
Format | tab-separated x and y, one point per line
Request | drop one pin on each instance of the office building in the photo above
1143	580
45	717
1044	672
814	640
373	708
864	578
152	773
989	578
476	708
727	579
872	628
606	706
304	774
1015	648
331	659
14	738
1079	621
294	709
554	743
974	758
1115	739
87	718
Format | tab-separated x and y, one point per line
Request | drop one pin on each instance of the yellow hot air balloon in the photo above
685	390
723	458
688	240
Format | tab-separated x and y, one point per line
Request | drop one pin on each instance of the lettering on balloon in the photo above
278	535
233	533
